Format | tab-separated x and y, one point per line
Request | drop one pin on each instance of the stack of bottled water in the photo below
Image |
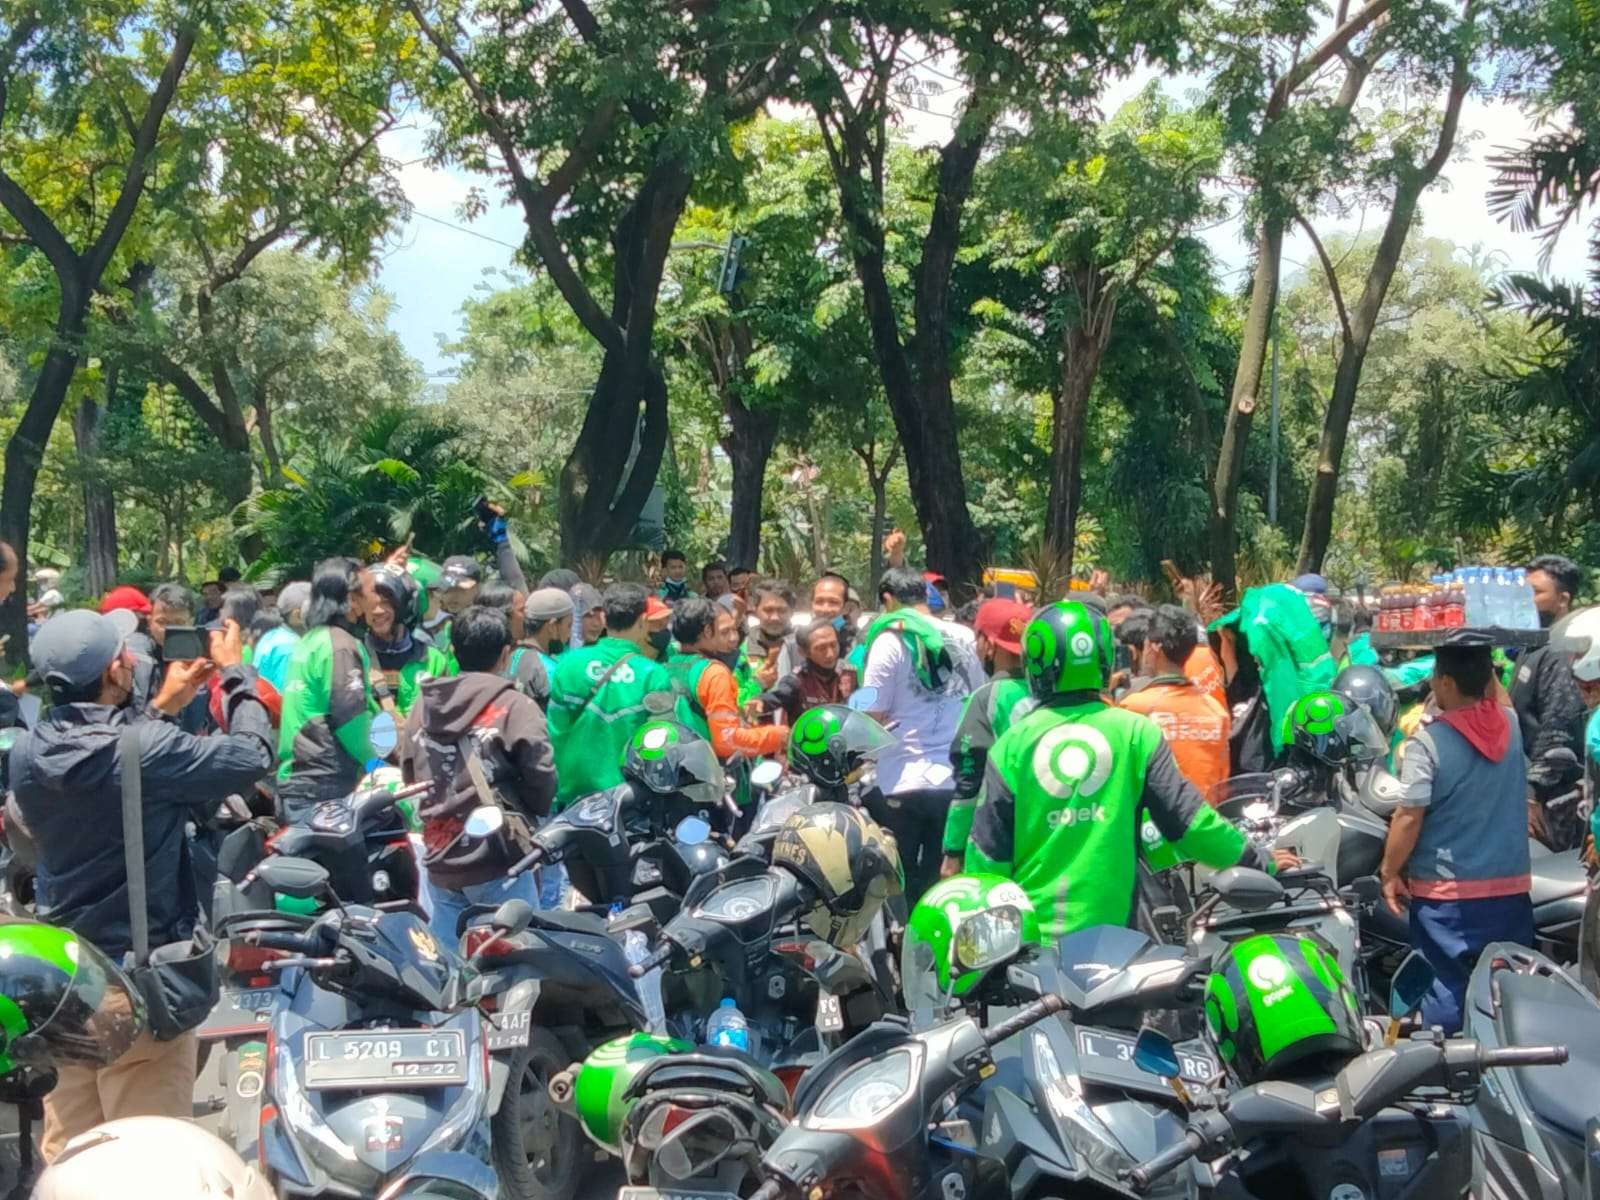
1498	597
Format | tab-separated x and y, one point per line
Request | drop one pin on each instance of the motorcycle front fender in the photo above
444	1175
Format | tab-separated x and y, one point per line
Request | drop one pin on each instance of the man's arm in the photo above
505	560
535	783
1417	771
729	738
1561	714
993	844
182	768
1188	822
350	699
885	657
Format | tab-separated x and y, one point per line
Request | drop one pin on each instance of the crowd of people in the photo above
1043	740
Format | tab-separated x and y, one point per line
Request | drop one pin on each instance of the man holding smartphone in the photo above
66	775
172	609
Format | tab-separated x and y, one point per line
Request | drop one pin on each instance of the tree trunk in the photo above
880	518
1242	407
99	505
749	447
25	450
1082	348
1357	337
599	507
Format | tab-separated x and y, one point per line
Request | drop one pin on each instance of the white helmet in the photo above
1578	634
150	1158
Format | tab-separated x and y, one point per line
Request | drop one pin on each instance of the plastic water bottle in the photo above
727	1026
1505	602
1477	612
636	948
1527	612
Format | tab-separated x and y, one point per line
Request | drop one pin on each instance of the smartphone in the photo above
184	642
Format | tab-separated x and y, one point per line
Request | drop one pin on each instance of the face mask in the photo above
660	639
988	666
730	657
556	647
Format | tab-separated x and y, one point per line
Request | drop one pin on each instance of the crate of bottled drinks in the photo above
1496	601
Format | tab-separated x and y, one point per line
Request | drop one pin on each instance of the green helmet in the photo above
604	1076
670	759
424	570
1067	647
62	1002
829	743
1333	729
1279	998
963	919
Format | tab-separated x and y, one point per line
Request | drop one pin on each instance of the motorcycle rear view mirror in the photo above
484	822
1412	981
1248	890
383	736
513	916
862	699
1155	1054
990	937
8	739
691	831
297	878
764	777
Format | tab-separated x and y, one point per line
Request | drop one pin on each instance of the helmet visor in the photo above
691	771
1358	732
99	1018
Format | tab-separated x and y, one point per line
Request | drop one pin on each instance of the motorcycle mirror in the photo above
383	736
862	699
987	938
691	831
8	739
1246	889
297	878
764	777
1155	1054
513	916
1412	981
484	822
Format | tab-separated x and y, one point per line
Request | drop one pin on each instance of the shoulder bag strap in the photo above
129	746
601	682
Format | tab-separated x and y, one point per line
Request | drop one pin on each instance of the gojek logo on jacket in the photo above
1073	762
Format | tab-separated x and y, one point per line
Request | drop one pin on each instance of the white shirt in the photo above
926	722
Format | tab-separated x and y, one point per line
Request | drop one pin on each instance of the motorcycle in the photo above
376	1069
1534	1131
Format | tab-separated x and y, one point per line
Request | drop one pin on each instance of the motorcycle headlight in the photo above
869	1091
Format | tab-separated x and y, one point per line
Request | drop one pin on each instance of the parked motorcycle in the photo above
376	1069
1534	1130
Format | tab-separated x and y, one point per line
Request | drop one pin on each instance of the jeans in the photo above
916	819
1451	934
553	884
449	903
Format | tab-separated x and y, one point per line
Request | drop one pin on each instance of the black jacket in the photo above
67	778
1551	714
482	714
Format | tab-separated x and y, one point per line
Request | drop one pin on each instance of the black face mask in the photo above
730	657
660	639
988	666
556	647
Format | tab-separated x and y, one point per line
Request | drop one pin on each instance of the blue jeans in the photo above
552	886
1451	934
447	904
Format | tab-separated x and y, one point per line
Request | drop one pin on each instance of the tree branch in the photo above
99	255
1330	48
1333	277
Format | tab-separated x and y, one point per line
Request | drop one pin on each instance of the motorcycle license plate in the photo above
507	1031
650	1193
408	1058
1098	1043
239	1010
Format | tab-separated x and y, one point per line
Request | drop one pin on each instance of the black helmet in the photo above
673	760
68	1004
402	593
851	863
1332	729
829	743
1370	687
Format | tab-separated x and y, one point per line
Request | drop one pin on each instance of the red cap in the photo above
127	596
656	607
1002	622
933	577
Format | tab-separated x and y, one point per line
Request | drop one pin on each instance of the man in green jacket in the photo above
1068	787
601	694
989	713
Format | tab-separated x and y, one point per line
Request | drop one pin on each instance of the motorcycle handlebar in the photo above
770	1190
293	943
527	862
1041	1008
1523	1056
308	962
1174	1156
658	956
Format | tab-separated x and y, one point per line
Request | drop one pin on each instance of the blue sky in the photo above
438	260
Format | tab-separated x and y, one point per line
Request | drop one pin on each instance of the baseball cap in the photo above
1311	583
294	596
75	648
1002	622
655	608
547	604
125	597
586	598
458	571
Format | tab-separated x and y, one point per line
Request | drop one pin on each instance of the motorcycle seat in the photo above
1556	876
554	920
1540	1010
